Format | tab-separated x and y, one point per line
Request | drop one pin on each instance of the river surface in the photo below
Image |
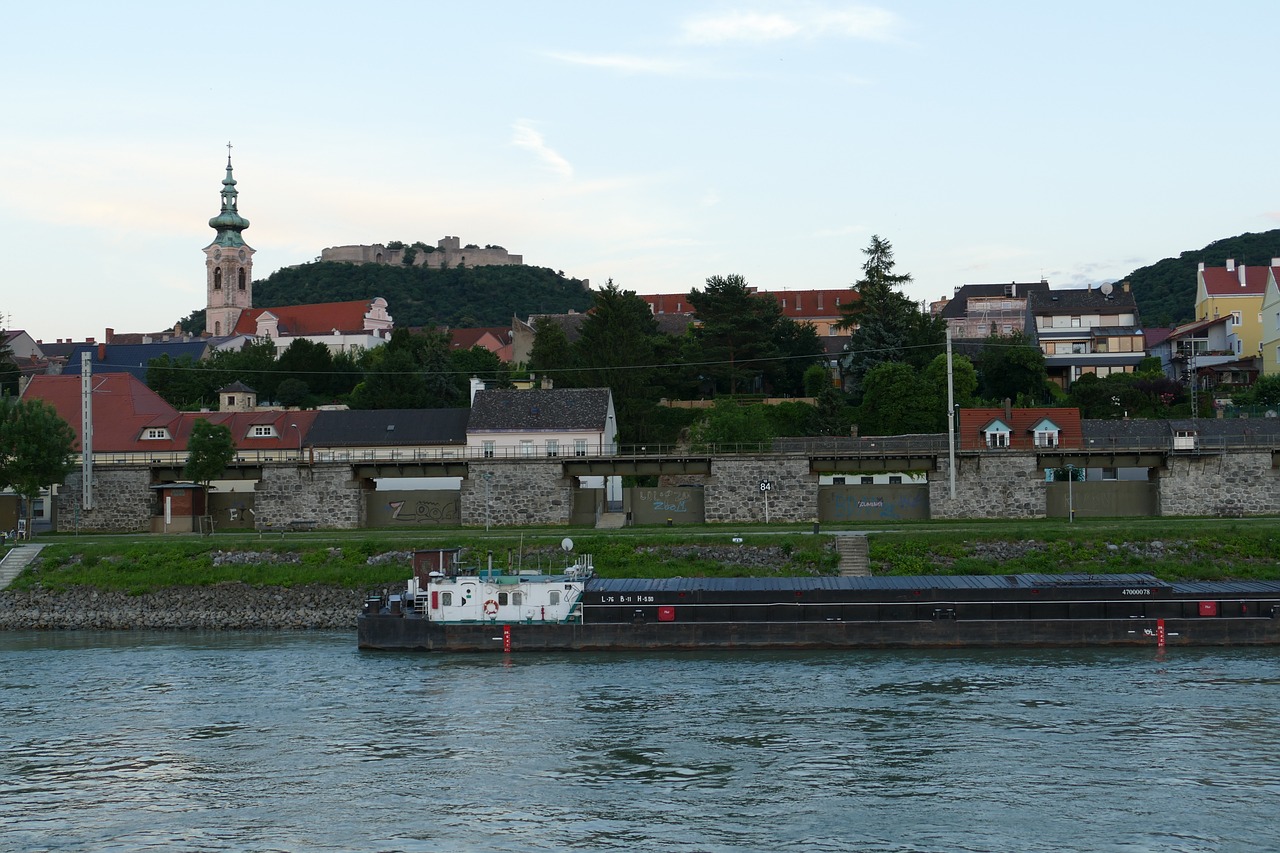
298	742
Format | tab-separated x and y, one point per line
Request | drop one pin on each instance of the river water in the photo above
298	742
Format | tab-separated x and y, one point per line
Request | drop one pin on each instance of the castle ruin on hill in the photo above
446	254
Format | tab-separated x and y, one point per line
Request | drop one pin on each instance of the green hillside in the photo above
1166	290
417	296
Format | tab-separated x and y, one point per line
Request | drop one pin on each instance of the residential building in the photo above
823	309
1025	429
133	358
542	422
1236	291
1191	346
977	311
1270	321
341	326
1094	330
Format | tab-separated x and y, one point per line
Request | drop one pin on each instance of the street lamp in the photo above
1071	503
295	426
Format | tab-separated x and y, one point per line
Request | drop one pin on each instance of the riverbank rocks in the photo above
225	607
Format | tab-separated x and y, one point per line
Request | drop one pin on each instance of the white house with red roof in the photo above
1270	321
1235	291
341	326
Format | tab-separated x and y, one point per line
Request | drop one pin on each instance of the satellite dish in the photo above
1106	288
566	544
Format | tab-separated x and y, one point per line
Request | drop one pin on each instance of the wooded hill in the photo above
1166	290
462	297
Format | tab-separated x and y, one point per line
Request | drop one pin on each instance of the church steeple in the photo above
229	223
228	264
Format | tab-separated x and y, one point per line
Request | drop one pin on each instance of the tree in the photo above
9	372
210	450
1011	366
738	348
551	351
36	448
889	325
896	401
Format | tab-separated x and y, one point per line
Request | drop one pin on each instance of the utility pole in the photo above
86	429
951	418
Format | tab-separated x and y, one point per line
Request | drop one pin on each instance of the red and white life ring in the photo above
491	608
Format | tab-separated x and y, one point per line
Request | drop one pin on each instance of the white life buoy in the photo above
491	608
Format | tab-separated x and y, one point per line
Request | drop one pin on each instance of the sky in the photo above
655	144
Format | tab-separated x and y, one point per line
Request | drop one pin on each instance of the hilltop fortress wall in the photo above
449	253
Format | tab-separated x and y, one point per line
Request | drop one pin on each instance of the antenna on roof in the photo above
1106	288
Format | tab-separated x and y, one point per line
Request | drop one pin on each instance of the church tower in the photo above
228	264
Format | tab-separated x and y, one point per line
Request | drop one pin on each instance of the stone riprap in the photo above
225	607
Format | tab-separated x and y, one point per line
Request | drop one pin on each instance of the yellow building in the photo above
1236	292
1271	322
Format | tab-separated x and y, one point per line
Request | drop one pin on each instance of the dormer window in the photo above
155	434
1046	433
996	434
262	431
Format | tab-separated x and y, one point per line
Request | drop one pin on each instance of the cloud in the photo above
862	22
628	64
527	137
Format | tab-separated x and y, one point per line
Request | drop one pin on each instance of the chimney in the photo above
1275	262
102	352
1231	264
1124	285
110	333
86	340
477	384
1008	411
1240	271
1200	267
547	383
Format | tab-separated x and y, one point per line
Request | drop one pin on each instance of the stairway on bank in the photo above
854	559
18	558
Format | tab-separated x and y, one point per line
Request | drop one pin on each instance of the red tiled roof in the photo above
1219	281
319	319
1020	423
796	304
124	407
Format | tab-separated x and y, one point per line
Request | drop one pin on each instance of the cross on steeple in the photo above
228	152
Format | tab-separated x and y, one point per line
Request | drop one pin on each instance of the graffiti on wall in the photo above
410	508
868	503
656	505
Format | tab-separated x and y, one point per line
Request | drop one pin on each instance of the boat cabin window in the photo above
446	598
502	599
516	599
554	597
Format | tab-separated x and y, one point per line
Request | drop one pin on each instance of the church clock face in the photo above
217	255
242	254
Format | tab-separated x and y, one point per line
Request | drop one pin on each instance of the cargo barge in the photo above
446	608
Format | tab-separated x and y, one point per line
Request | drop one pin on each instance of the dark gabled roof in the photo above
133	358
386	427
540	409
236	387
1081	299
1097	432
958	306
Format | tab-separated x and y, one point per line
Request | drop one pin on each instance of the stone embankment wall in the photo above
990	486
225	607
1230	484
121	501
325	494
733	493
515	492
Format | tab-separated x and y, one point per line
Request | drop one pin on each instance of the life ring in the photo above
491	608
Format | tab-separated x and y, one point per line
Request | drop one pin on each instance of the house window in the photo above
242	278
217	279
868	481
231	400
156	433
1108	473
487	449
996	438
1235	318
553	447
262	431
1075	322
1046	438
526	447
579	447
895	480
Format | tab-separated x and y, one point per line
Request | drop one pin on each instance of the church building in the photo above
228	264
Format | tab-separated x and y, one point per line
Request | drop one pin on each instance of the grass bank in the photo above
1168	548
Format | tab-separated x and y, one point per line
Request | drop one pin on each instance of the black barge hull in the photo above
401	633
